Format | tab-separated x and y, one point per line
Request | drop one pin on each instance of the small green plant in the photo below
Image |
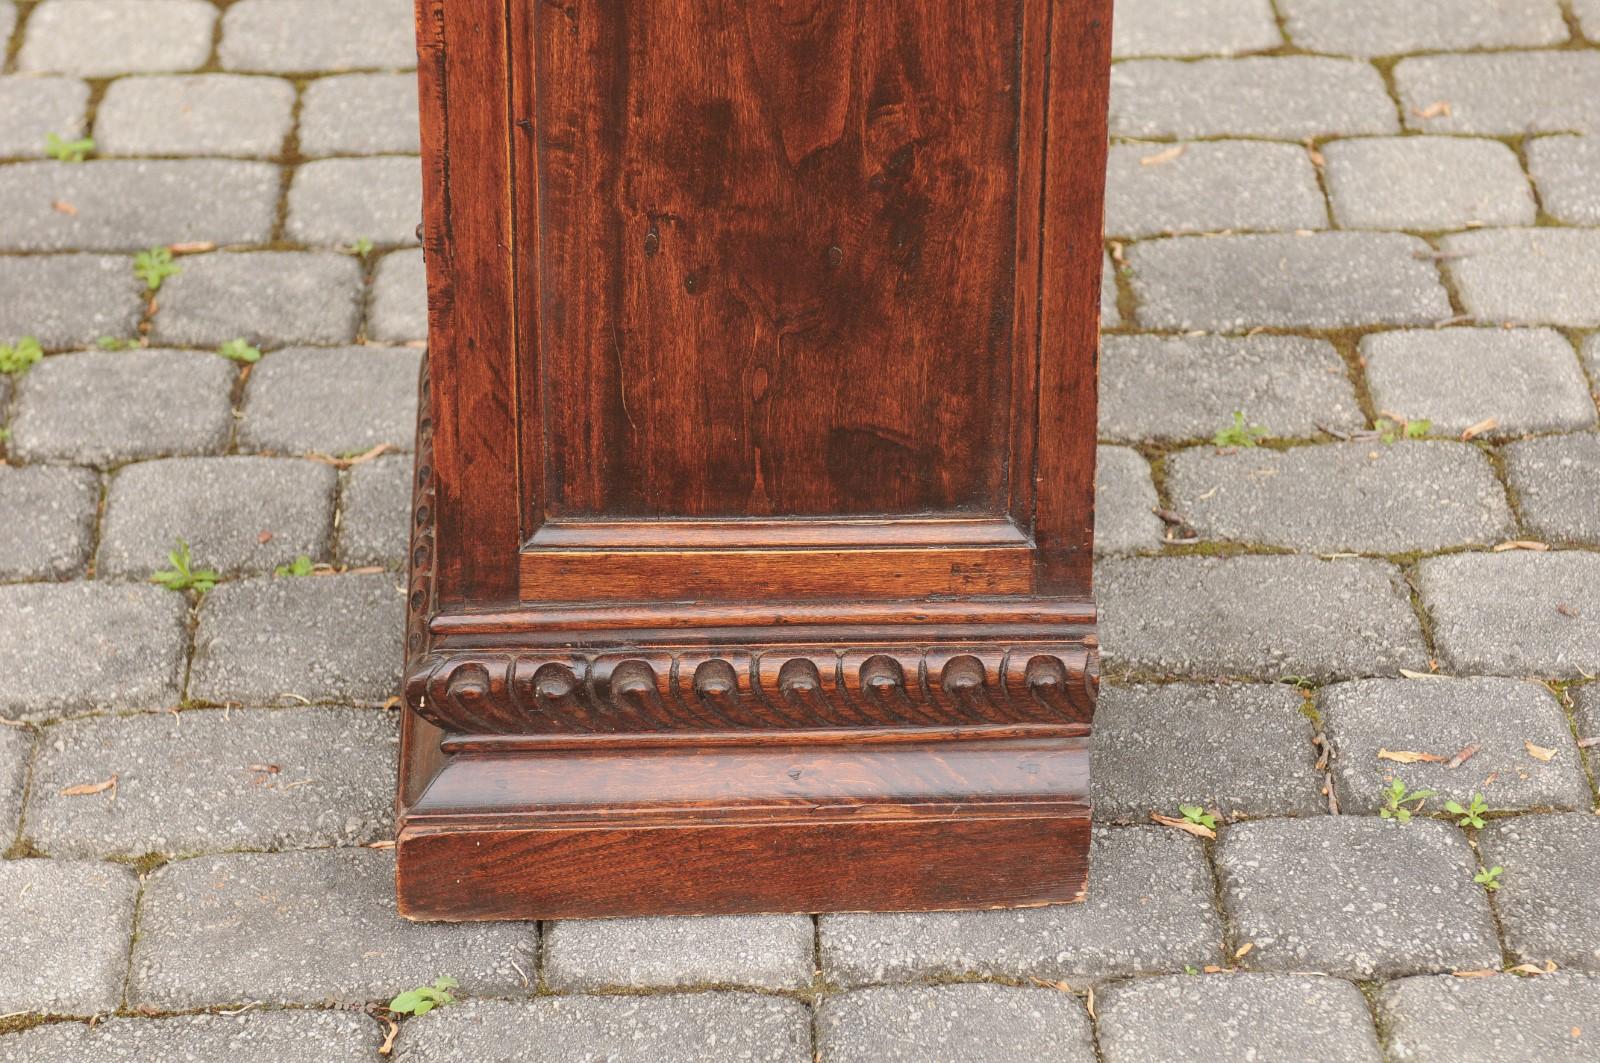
17	358
300	566
153	267
1190	968
362	247
1488	877
112	343
1472	814
1400	804
68	150
1199	816
182	576
1390	430
1238	434
424	998
237	350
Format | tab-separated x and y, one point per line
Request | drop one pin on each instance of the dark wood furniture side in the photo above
750	565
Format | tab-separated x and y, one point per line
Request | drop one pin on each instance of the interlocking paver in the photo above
1210	186
130	204
1426	183
75	646
1149	908
1286	98
1109	317
743	951
206	780
376	512
1525	380
1501	93
1567	172
46	521
101	38
398	310
1515	613
270	298
958	1023
1588	12
339	201
1375	27
1179	1018
1541	276
683	1028
1556	480
1442	717
1193	27
1547	900
199	114
1589	354
1125	500
1325	280
16	750
1586	713
359	114
290	36
1265	617
304	928
1355	896
343	400
298	1036
66	927
8	19
31	108
68	300
1241	750
1179	388
1443	1019
1367	497
107	407
275	641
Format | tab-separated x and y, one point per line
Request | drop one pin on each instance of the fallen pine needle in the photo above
1408	756
1244	950
1536	752
1520	544
1436	109
1199	830
87	788
1409	674
1475	974
1488	424
1162	156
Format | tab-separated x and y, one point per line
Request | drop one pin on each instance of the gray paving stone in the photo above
359	114
376	512
305	928
102	38
1125	500
1515	613
1501	93
131	204
1265	617
46	521
1542	276
1326	280
1586	714
1109	317
1193	27
201	114
1588	13
1443	1019
297	1036
1426	183
1357	897
16	750
66	927
1241	1016
1443	717
8	19
1182	388
954	1024
741	951
339	201
207	780
344	400
1239	185
1547	899
33	107
1366	497
279	640
1241	750
1556	480
1285	98
686	1028
1589	354
291	36
68	300
87	408
1527	380
1374	27
1149	908
270	298
1567	171
398	310
222	507
102	645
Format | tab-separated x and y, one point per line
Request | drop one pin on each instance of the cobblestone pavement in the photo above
1329	216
